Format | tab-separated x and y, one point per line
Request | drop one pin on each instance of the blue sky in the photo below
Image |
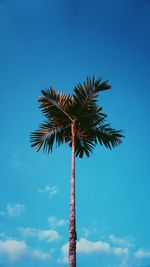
59	43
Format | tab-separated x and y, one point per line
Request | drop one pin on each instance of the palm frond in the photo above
83	146
108	136
86	96
87	93
54	106
46	136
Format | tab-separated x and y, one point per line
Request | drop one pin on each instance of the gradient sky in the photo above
59	43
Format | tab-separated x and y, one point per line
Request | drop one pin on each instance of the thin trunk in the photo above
72	230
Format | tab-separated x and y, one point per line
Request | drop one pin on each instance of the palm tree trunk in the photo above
72	230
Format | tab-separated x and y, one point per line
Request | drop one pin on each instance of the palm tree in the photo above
78	121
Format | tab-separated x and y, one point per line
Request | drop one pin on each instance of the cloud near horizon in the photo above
14	250
119	256
85	246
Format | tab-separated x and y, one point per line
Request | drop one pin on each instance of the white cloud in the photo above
64	252
85	246
54	222
15	210
120	251
49	190
116	252
47	235
141	253
13	249
125	242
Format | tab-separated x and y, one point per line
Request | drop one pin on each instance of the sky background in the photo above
59	43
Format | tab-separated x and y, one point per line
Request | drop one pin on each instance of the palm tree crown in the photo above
79	109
